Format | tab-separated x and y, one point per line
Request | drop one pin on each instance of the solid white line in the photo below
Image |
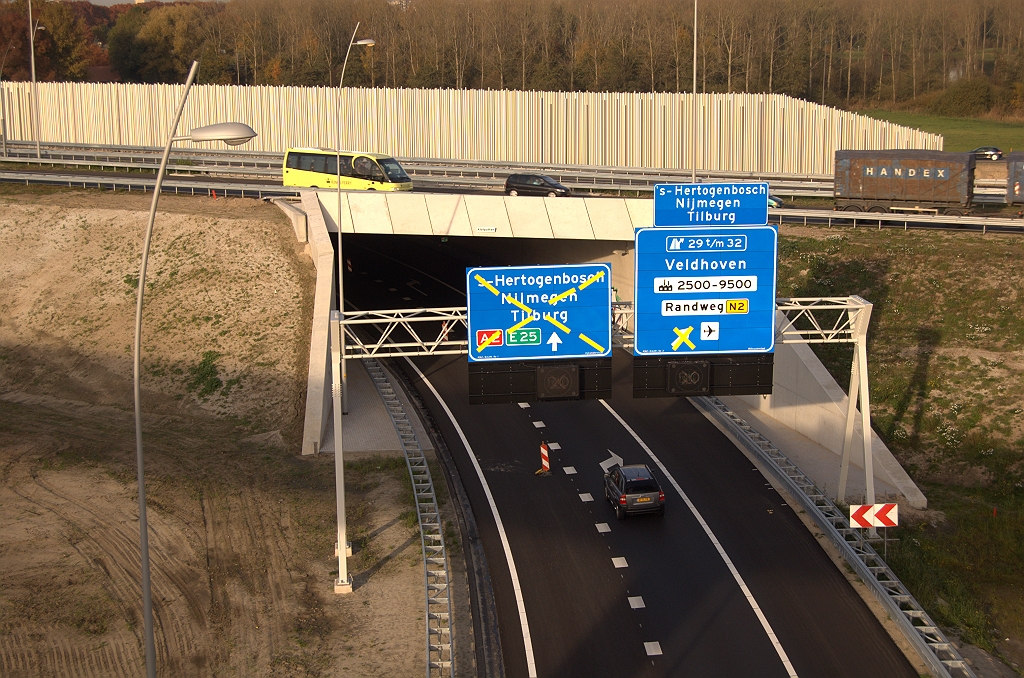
718	546
530	664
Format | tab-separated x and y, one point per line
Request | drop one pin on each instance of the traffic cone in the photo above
214	191
545	460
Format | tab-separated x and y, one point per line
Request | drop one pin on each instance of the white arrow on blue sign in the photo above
734	204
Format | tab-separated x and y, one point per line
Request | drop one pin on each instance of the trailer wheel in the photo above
853	208
953	213
878	209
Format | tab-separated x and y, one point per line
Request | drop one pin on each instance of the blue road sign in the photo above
705	290
741	204
539	312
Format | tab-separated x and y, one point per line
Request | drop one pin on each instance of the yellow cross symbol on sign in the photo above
682	337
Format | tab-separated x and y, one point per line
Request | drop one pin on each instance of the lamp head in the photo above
369	42
231	133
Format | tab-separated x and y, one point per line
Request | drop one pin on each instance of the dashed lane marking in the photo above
788	665
525	406
602	527
539	424
618	563
554	446
586	496
636	602
653	649
569	470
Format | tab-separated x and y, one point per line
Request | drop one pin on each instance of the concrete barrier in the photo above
297	216
806	399
318	386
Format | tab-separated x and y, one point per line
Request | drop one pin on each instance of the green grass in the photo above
947	388
960	134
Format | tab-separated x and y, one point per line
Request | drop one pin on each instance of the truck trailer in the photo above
927	182
1015	178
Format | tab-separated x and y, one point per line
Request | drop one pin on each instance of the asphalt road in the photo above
581	605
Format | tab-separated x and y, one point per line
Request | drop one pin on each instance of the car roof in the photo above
636	471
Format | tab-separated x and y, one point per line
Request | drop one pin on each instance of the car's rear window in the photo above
641	485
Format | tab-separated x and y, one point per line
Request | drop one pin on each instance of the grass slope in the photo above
946	361
961	134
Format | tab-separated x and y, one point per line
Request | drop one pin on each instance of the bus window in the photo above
293	161
346	166
366	168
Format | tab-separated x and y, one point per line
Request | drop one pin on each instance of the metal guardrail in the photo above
886	220
145	183
917	626
436	580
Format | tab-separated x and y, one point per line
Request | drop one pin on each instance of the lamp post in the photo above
32	61
233	134
693	141
340	386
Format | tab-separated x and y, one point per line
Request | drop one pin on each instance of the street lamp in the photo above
693	141
32	60
340	387
233	134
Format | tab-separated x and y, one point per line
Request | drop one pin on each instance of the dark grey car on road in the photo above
535	184
633	489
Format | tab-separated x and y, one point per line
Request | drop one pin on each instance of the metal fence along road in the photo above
738	132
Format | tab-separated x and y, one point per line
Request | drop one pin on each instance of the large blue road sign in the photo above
539	312
711	204
705	290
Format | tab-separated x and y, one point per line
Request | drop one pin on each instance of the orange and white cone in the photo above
545	460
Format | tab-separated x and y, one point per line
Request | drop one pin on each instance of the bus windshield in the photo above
394	171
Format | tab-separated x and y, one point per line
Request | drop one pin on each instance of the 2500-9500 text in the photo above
744	283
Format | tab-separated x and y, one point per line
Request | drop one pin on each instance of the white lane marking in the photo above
539	424
525	406
636	602
619	563
653	649
586	496
554	446
524	623
602	527
569	470
614	460
718	546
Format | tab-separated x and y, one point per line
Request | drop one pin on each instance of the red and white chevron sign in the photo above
874	515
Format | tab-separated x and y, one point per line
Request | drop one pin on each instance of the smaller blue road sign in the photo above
539	312
705	290
739	204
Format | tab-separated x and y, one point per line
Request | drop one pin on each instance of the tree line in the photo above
966	55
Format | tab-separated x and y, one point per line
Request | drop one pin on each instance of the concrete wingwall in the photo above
806	398
318	387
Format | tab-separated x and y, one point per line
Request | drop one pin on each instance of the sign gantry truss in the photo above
804	320
405	332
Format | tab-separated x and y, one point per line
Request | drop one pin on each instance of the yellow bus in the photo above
318	168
